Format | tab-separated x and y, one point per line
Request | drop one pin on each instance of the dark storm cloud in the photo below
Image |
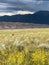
30	5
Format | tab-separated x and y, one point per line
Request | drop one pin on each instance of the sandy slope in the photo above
18	25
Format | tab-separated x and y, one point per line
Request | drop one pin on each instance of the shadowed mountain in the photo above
40	17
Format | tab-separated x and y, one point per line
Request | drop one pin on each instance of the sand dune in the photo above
18	25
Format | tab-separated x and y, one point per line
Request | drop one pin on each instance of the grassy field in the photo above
24	47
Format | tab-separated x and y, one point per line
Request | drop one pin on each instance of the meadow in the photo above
24	46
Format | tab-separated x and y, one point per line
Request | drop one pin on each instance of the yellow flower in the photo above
16	57
12	57
20	57
39	57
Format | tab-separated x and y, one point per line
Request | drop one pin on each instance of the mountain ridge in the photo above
40	17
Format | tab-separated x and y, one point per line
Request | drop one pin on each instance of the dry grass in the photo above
24	47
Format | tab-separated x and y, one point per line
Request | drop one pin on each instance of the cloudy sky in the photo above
12	6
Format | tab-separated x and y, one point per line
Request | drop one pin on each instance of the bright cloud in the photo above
15	13
24	12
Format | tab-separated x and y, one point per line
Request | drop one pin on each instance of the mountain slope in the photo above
40	17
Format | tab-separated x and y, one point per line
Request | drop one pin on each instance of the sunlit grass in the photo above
24	47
